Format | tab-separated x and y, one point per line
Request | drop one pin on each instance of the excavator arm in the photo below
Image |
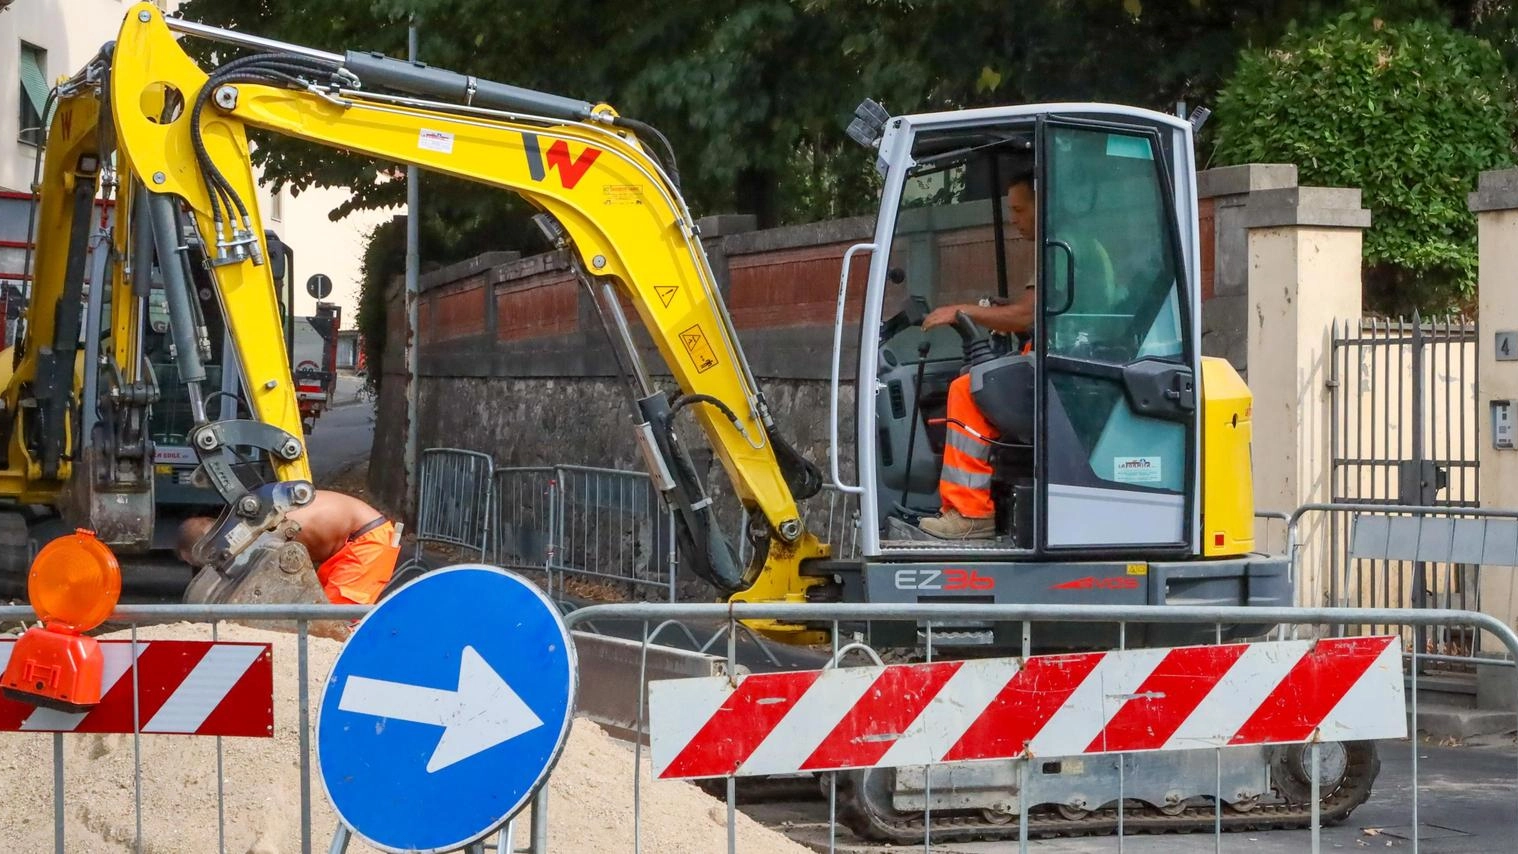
603	197
78	388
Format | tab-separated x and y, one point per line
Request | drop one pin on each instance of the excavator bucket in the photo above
272	571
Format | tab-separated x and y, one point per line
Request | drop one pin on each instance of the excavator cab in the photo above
1110	457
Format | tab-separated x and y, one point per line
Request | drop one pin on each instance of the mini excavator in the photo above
1121	473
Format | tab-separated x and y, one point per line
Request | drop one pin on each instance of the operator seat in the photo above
1004	391
1002	388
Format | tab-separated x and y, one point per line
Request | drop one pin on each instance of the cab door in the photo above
1117	407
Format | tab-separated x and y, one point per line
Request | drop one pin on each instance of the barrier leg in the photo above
58	793
540	822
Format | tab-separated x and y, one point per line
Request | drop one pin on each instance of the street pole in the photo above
413	269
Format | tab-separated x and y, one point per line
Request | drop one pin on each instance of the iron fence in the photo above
453	499
1405	429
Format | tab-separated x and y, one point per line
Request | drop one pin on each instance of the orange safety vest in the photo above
359	570
965	481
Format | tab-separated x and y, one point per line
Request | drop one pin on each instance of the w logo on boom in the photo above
570	170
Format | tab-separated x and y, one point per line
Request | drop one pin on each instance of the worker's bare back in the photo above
327	522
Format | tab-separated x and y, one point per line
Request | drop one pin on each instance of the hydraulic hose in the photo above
650	130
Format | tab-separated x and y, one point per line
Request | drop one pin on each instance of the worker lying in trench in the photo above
353	546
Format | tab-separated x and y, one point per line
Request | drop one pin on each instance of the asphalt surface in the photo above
1466	804
344	433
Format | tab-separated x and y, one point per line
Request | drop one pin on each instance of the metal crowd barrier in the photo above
664	617
522	525
1410	556
650	621
453	499
612	525
593	523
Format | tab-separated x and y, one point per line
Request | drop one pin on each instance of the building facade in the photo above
43	40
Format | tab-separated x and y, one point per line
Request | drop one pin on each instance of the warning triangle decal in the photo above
666	293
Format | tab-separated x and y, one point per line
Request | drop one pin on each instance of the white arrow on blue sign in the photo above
446	709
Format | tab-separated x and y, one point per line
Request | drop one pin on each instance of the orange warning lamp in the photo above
73	586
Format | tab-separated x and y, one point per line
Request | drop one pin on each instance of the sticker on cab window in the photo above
1137	469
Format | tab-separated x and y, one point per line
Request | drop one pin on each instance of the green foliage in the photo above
755	94
1410	112
382	265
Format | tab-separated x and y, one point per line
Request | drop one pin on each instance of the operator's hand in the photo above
941	316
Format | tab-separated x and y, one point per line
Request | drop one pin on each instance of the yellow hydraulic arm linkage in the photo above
603	196
79	388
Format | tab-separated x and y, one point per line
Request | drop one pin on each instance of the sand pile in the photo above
590	806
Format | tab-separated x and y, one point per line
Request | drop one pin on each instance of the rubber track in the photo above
1047	822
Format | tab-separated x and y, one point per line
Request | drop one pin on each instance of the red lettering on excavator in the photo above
1091	582
962	579
570	170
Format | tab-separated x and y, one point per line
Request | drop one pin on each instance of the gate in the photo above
1404	431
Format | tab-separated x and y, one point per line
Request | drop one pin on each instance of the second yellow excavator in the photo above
78	387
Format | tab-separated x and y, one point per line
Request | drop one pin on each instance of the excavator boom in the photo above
603	197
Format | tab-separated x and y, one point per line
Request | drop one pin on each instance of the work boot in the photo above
952	525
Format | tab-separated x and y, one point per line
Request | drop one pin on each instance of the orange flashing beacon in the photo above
73	585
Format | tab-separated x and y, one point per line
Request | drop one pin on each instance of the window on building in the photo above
277	205
33	93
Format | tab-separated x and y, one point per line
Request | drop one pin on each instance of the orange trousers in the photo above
965	482
360	569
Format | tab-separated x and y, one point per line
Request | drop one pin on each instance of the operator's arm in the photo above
1016	316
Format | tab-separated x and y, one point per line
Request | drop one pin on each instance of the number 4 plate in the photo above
1507	346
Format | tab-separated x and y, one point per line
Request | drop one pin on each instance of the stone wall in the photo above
514	361
1223	197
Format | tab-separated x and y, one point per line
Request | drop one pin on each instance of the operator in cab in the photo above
353	545
964	486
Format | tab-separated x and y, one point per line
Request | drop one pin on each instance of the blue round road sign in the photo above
446	709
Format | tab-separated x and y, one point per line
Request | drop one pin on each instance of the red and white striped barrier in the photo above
183	688
1341	689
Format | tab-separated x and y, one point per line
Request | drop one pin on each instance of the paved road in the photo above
1466	804
343	434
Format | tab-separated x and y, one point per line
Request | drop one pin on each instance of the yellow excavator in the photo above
78	387
1121	471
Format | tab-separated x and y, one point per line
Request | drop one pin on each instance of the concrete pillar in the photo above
1304	274
1495	203
1223	198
